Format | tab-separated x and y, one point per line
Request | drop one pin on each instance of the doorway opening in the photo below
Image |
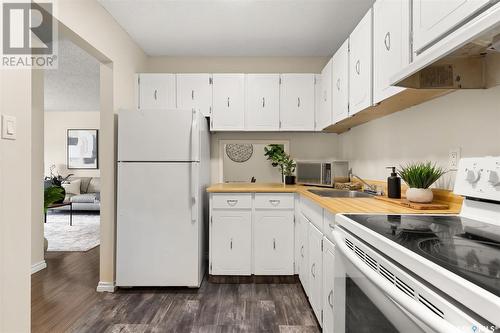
71	145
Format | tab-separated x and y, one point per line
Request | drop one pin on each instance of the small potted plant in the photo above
419	177
276	154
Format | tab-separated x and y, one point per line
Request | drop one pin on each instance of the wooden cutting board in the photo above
414	205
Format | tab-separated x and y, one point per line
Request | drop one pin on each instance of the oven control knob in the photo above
493	178
472	176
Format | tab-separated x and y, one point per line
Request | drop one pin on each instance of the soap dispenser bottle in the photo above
393	185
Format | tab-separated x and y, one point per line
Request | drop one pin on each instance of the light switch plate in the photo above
9	127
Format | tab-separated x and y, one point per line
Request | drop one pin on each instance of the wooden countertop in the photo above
341	205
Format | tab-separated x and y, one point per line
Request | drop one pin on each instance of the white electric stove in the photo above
424	273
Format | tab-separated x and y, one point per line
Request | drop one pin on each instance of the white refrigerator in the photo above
162	206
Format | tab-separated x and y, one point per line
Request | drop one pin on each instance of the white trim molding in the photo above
38	266
108	287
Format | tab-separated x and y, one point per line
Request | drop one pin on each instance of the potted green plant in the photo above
276	154
51	194
419	177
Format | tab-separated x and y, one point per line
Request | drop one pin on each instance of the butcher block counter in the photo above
342	205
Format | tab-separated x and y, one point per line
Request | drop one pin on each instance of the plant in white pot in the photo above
419	177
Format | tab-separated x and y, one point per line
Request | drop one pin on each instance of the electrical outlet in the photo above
453	158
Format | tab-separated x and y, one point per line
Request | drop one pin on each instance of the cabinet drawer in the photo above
274	200
312	211
232	200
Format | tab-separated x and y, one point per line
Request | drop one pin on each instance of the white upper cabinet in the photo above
434	18
360	65
262	111
297	102
228	111
391	45
194	91
324	104
156	91
340	83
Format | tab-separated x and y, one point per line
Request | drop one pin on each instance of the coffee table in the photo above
62	204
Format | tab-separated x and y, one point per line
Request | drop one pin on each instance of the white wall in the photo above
466	119
56	126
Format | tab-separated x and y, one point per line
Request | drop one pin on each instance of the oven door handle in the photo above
409	304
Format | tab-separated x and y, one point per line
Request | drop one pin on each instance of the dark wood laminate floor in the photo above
64	300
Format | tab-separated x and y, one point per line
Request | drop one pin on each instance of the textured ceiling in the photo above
74	86
238	27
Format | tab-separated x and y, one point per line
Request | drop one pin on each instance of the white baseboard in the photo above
38	266
108	287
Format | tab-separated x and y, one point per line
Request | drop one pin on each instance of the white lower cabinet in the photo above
230	243
328	276
303	247
252	234
273	242
315	270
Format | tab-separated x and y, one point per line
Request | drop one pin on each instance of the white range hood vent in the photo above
467	58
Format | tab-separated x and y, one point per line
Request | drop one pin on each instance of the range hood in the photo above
467	58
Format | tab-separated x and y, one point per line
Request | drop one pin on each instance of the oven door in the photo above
367	301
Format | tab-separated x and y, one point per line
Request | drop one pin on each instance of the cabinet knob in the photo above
298	102
155	94
274	243
330	299
338	84
358	67
313	270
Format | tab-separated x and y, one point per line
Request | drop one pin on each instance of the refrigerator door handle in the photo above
194	191
195	137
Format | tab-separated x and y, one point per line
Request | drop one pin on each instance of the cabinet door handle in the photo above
298	102
231	244
330	297
192	95
358	67
324	95
387	40
228	102
263	102
338	84
274	243
155	94
232	203
274	202
313	270
302	251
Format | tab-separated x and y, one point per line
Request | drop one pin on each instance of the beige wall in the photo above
305	146
15	203
466	119
236	64
56	125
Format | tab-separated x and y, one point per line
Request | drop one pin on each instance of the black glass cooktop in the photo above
468	248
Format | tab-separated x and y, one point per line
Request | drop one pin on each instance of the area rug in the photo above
83	235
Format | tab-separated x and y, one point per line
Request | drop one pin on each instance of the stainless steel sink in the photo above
341	194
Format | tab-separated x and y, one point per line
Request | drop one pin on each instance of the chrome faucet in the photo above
371	187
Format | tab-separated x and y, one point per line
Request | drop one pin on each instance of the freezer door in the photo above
157	237
158	135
